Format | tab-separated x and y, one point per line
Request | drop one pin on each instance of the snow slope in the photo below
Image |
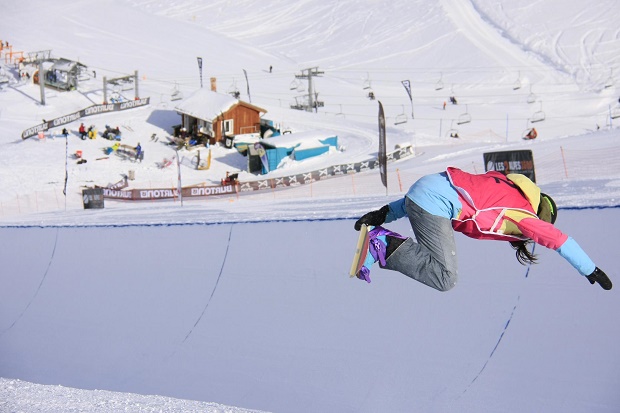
244	300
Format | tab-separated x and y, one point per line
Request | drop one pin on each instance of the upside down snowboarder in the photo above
488	206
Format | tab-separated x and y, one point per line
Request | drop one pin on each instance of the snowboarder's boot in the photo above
382	243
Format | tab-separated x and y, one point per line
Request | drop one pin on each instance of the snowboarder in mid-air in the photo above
489	206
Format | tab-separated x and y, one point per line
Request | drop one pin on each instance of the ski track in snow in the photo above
479	29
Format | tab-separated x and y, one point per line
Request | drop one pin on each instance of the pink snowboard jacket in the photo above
495	207
491	206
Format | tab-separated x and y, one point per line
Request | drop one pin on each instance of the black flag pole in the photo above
200	69
407	85
247	82
382	150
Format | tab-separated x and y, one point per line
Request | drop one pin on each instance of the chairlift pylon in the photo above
464	117
538	116
401	118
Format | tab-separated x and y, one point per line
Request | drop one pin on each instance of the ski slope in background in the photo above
244	301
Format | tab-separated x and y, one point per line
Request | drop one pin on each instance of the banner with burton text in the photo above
271	183
89	111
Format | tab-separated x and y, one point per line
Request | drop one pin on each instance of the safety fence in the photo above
563	165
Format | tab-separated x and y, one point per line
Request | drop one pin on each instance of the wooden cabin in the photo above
214	116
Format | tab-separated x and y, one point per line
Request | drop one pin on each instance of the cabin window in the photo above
227	127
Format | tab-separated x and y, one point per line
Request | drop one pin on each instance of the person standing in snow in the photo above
139	155
82	131
488	206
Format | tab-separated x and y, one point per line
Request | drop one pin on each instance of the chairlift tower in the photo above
313	102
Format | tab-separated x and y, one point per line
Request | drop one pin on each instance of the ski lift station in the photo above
62	74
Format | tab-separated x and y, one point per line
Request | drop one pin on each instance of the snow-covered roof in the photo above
66	65
304	139
205	104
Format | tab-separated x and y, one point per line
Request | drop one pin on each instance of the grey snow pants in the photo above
432	259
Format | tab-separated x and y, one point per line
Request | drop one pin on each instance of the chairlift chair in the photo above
294	85
531	98
367	82
116	97
127	84
464	117
401	118
527	129
610	81
439	84
452	132
517	84
341	114
233	90
538	116
615	112
297	105
176	93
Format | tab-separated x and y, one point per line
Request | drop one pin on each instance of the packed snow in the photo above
242	302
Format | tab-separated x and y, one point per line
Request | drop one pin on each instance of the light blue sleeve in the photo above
433	193
397	210
572	252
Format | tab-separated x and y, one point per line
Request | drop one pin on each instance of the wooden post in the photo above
42	82
564	161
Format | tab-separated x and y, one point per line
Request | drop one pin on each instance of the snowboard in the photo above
361	250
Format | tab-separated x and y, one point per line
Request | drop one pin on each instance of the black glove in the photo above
598	276
373	218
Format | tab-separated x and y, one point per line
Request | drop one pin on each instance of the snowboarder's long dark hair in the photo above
524	256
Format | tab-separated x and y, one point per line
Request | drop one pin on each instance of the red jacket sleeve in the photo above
542	232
